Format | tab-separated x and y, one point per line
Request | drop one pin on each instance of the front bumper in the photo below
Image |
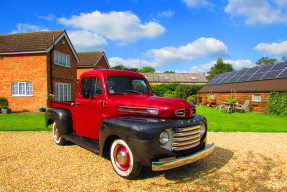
170	164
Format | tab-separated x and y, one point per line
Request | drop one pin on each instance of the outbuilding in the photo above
254	84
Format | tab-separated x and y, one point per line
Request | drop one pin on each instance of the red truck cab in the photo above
116	113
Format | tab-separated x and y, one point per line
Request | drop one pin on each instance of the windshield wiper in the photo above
134	91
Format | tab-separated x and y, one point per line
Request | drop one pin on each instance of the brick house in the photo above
254	84
91	61
32	63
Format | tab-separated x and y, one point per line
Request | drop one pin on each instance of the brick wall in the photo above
24	68
63	74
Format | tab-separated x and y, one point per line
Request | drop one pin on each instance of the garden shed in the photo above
254	84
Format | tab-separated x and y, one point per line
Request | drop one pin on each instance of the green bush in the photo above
277	104
3	102
192	99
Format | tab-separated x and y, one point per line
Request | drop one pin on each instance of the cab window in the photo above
90	86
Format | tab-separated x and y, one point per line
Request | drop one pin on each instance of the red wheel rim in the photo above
122	157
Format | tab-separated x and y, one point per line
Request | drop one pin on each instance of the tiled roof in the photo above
89	58
28	42
262	86
175	77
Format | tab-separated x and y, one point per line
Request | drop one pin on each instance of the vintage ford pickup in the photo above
116	116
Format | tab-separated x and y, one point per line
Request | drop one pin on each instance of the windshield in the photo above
126	84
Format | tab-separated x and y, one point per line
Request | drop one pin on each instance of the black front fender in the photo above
142	134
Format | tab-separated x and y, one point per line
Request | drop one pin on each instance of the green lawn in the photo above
22	122
233	122
241	121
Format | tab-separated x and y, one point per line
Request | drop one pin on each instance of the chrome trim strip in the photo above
134	111
185	134
141	108
186	128
185	147
170	164
178	139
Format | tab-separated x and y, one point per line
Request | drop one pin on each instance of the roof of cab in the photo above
112	72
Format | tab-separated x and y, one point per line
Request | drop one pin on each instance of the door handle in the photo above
75	104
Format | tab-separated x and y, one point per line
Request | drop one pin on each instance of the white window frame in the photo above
62	92
256	98
62	59
22	89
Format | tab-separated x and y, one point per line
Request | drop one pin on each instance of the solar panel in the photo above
244	77
283	74
278	70
256	76
272	74
279	66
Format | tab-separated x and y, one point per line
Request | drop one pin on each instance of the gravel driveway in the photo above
31	161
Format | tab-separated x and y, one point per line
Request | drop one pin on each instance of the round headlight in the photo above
163	138
202	129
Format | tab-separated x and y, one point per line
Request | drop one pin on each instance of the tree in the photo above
284	58
266	61
147	70
218	68
122	67
169	72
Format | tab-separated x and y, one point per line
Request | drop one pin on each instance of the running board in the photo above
91	145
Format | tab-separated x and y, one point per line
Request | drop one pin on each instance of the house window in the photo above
257	97
62	91
22	89
212	96
62	59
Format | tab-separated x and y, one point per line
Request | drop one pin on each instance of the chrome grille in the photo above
186	138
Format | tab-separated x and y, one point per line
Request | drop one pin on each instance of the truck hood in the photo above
136	104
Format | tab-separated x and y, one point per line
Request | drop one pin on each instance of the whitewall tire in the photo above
58	139
123	160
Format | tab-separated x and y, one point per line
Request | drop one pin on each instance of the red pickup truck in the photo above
116	116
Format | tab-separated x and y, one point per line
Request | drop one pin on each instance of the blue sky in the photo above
174	35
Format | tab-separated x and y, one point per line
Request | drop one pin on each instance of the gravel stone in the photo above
31	161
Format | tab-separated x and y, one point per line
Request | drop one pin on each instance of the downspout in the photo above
51	65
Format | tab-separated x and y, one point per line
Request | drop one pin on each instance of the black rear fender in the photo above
63	119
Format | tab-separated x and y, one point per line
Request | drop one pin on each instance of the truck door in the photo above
89	107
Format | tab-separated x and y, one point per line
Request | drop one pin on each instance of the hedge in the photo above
176	90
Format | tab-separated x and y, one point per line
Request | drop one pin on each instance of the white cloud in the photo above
165	14
257	12
85	40
119	26
278	49
237	65
199	48
196	3
49	17
131	63
23	28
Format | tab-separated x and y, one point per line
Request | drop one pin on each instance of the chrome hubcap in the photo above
122	157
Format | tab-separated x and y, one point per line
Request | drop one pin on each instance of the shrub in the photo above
277	104
192	99
3	102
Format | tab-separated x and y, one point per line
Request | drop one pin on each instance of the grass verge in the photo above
22	122
241	121
223	122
